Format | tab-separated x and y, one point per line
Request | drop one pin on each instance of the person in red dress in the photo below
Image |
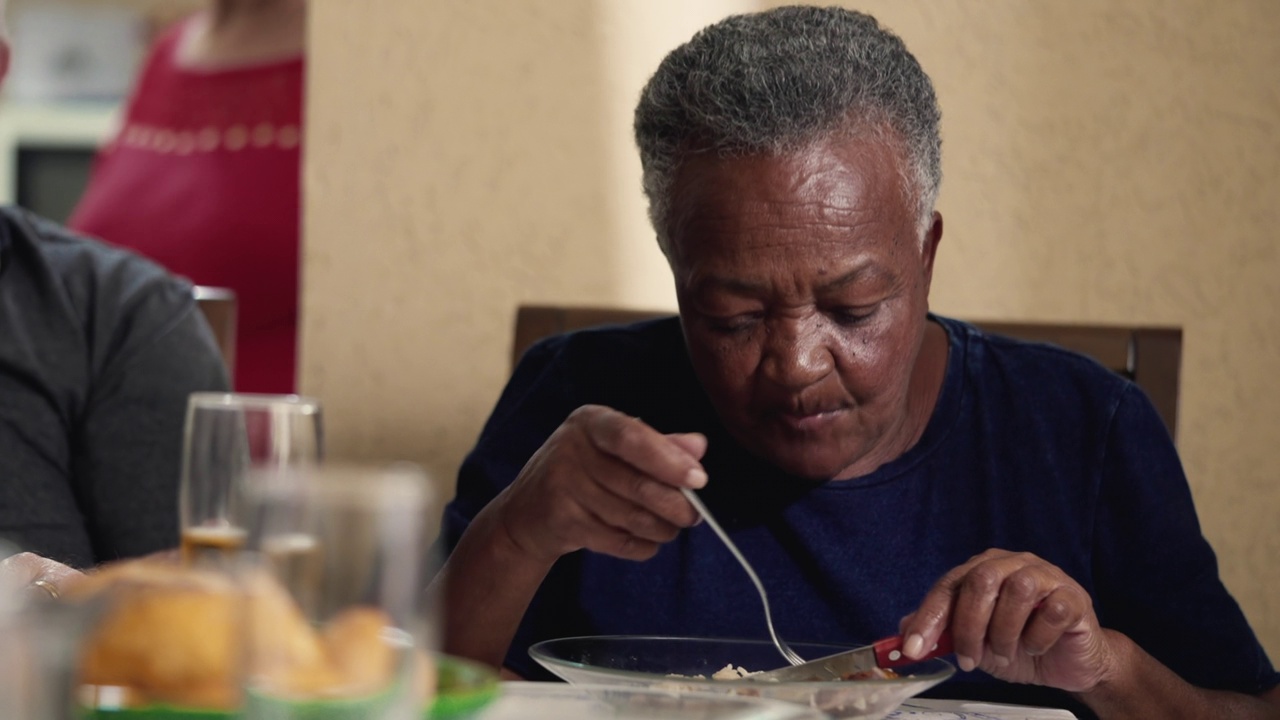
203	174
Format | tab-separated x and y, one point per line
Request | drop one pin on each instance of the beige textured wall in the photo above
1109	162
463	158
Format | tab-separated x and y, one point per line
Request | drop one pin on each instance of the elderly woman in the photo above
883	468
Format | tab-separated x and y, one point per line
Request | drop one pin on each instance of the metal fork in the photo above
783	648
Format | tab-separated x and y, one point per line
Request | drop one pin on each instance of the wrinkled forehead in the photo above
830	182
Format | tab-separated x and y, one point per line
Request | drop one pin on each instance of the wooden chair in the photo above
220	308
1149	356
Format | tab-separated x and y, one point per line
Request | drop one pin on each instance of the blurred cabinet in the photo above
46	150
63	50
72	63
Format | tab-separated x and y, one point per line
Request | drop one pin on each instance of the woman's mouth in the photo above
810	422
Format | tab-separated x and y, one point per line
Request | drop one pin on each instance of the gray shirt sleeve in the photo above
99	350
128	443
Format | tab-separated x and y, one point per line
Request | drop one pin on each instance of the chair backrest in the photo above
220	308
1149	356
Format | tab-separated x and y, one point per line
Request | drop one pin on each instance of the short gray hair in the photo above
772	81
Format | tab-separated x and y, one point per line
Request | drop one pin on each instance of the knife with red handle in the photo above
885	654
889	650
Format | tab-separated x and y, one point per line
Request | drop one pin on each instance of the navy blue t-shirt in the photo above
1030	448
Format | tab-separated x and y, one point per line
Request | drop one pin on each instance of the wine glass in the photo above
227	438
338	560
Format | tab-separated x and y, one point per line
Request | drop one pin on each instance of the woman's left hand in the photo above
39	575
1017	618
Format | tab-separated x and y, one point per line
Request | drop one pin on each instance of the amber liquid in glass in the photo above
216	543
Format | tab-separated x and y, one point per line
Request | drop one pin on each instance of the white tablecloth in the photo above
921	709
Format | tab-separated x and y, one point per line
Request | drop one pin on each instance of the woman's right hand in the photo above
603	481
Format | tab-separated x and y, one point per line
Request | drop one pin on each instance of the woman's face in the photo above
803	287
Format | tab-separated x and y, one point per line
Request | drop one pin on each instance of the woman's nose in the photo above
796	352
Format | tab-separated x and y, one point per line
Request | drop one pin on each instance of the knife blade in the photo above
885	653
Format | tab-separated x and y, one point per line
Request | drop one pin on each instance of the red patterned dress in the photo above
203	177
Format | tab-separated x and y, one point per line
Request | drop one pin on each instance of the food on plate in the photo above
875	673
728	672
731	672
735	672
173	635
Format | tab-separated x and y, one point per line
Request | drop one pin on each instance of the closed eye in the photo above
852	316
734	323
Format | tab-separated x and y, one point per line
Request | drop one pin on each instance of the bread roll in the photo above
175	635
169	634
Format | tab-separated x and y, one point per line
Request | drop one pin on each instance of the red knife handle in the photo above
889	651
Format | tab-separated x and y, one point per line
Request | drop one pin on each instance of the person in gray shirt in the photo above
99	349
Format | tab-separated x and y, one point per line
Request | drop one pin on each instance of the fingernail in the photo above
965	662
695	478
1000	661
913	646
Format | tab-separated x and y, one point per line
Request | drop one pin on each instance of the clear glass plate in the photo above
557	701
673	663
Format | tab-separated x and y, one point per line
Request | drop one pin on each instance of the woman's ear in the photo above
929	249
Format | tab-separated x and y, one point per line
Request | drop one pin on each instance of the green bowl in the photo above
155	712
463	687
357	708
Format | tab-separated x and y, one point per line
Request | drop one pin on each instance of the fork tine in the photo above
788	653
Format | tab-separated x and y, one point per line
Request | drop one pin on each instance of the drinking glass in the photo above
227	438
336	570
39	651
